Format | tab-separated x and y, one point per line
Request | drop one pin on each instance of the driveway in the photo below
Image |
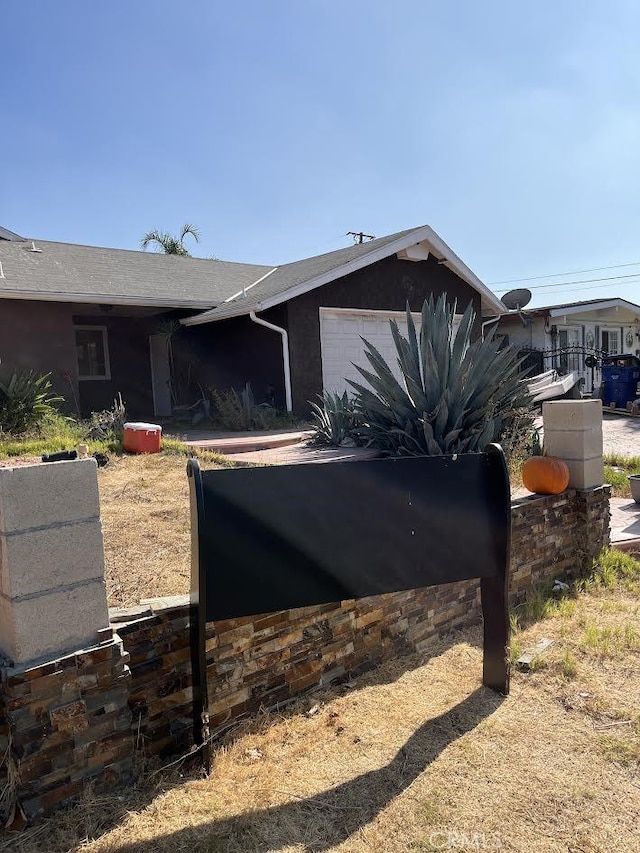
620	434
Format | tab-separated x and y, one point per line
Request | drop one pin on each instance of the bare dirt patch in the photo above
145	515
415	757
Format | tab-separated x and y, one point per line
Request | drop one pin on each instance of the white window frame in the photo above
105	345
616	331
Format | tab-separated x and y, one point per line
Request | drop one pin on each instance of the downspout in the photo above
285	354
488	323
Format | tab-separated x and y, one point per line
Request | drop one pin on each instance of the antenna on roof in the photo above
515	300
360	236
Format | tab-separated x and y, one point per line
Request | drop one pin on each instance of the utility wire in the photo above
612	278
590	287
559	274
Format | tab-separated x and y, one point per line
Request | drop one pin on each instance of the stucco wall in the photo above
230	353
389	284
128	340
38	336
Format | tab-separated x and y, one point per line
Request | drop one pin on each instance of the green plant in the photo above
616	472
335	421
169	244
456	395
568	666
25	401
235	411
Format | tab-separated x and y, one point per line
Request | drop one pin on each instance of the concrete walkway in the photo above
231	443
621	435
625	523
301	453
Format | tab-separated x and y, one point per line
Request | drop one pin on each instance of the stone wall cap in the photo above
128	614
29	466
59	662
528	499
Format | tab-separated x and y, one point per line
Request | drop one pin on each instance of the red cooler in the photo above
142	438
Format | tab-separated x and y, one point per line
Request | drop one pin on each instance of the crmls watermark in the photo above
457	839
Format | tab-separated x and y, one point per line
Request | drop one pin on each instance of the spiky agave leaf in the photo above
335	420
454	394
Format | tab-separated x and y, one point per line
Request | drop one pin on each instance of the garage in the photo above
341	330
297	329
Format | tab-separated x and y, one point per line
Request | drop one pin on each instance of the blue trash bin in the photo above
620	375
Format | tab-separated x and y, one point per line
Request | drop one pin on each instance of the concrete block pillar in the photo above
52	588
573	432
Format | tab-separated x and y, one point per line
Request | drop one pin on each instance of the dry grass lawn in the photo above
416	757
145	515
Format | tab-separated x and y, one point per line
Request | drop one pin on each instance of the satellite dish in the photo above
516	299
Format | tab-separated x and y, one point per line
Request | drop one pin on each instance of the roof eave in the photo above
105	299
490	302
594	306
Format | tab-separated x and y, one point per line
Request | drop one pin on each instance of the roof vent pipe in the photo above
285	354
1	270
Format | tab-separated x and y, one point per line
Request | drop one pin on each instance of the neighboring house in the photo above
97	318
563	336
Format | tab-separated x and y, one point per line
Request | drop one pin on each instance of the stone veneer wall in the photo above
62	723
78	717
270	659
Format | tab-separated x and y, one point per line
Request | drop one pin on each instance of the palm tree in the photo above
169	244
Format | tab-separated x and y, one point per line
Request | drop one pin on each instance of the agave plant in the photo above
26	400
455	395
335	420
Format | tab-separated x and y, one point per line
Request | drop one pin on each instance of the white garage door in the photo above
340	331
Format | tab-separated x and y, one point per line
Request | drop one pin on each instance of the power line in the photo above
559	274
612	278
580	289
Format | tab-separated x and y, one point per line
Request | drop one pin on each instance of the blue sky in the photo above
513	129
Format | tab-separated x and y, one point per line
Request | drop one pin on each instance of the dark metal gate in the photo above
586	362
276	538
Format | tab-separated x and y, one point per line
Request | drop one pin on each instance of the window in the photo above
92	352
568	344
610	341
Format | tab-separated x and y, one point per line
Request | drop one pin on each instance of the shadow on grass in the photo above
326	819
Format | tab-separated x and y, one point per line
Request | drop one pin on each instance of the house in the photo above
563	336
155	327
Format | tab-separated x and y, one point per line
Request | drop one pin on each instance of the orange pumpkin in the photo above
545	475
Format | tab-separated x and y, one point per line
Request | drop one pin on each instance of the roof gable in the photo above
291	280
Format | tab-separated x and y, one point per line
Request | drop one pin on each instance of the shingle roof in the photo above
284	282
5	234
69	272
66	271
587	303
283	278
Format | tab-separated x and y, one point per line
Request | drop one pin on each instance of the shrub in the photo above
235	411
455	395
109	424
335	421
25	402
